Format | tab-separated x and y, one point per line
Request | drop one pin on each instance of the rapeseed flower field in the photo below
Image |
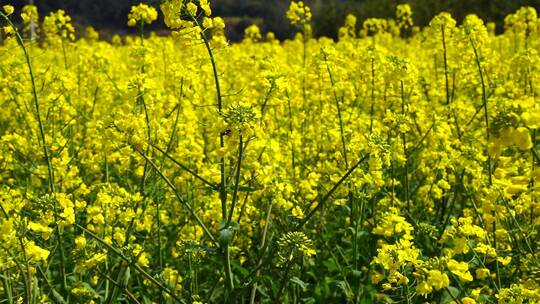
396	165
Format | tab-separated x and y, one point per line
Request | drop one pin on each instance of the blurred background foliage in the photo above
109	16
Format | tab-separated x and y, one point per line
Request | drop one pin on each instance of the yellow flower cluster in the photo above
143	14
404	16
299	13
57	27
8	9
253	32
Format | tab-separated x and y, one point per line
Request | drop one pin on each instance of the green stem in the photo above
262	248
131	297
133	264
185	168
445	66
404	141
329	194
291	128
228	270
47	158
337	100
28	276
372	107
223	183
485	106
495	246
453	297
180	198
237	180
283	282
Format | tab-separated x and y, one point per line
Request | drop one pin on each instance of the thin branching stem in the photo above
485	106
133	264
180	198
237	180
337	101
323	201
46	155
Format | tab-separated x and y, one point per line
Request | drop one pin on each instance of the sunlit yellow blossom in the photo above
467	300
97	258
522	138
482	273
460	269
437	279
192	8
298	12
398	158
80	242
8	9
35	252
423	288
44	230
142	13
297	212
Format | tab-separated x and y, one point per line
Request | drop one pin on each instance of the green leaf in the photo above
346	289
238	268
58	297
234	225
146	300
300	283
357	273
448	293
127	276
90	288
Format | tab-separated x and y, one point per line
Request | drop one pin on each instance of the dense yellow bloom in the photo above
192	8
205	6
460	269
467	300
531	119
172	278
297	212
299	13
522	138
393	224
142	13
424	288
372	26
482	273
8	9
391	257
253	33
35	252
30	20
80	242
171	11
437	279
518	293
404	16
349	28
400	157
96	259
307	251
57	27
44	230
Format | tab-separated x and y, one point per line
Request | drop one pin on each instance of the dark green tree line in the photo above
269	14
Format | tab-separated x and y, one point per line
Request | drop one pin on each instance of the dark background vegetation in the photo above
109	16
